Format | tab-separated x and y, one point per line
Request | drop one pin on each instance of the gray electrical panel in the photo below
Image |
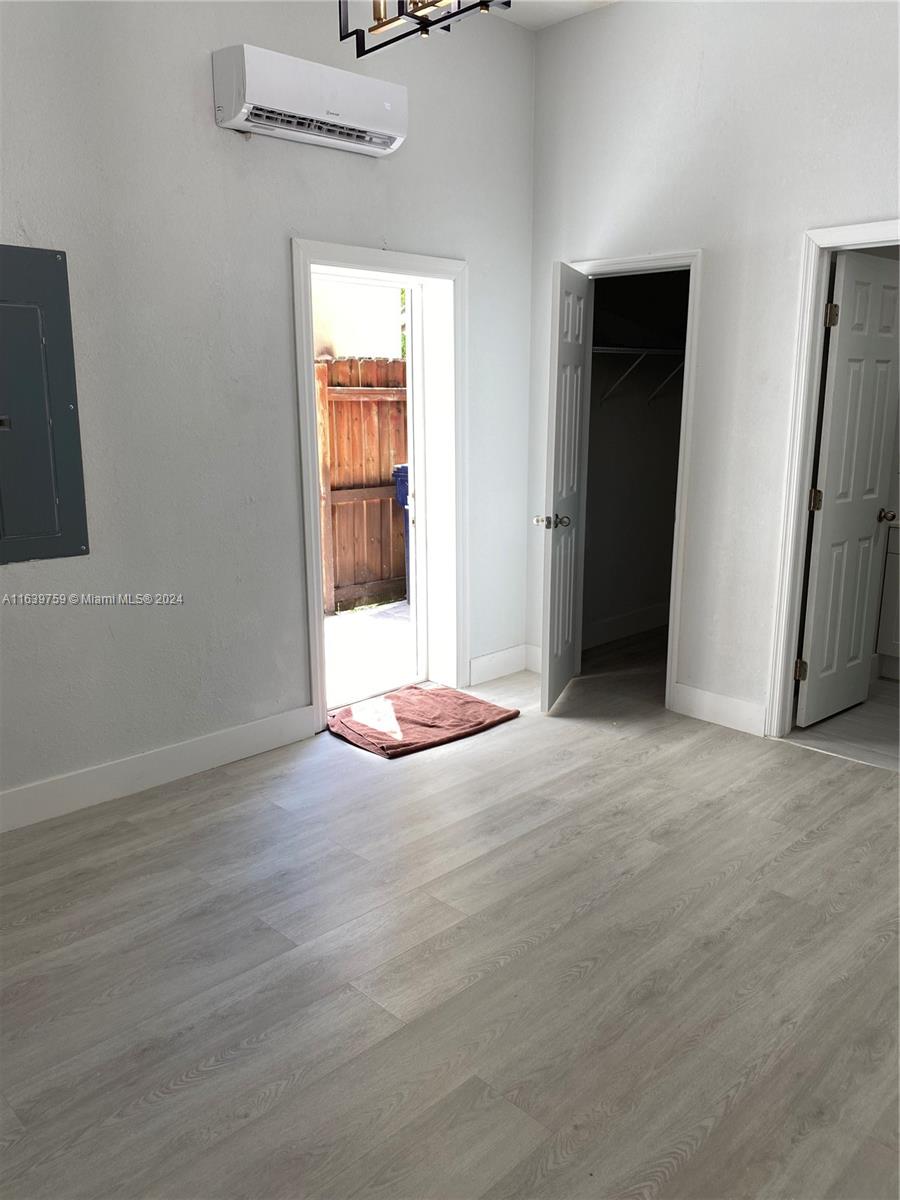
42	512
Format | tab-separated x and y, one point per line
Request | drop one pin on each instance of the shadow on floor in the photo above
620	682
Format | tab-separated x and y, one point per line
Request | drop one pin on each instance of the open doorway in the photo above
847	698
637	380
396	620
369	473
622	369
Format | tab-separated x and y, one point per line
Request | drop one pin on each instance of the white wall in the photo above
355	320
728	127
177	234
732	128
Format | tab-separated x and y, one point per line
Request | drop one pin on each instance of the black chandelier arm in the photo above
442	21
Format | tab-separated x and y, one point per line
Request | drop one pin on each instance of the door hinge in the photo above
832	312
815	500
801	669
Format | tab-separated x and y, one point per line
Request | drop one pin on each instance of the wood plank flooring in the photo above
615	953
868	733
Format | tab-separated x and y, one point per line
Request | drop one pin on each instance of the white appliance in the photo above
261	91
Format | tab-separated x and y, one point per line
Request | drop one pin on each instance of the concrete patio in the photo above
368	651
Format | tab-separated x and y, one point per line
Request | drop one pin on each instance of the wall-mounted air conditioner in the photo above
261	91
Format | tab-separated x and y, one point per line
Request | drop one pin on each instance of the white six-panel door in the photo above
569	374
859	423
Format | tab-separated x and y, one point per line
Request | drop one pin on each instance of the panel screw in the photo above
59	258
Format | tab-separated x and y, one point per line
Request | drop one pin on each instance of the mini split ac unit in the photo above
260	91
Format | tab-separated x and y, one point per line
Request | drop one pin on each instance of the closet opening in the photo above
637	382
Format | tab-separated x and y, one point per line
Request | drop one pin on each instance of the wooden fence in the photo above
361	410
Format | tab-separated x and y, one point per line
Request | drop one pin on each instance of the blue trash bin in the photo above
400	475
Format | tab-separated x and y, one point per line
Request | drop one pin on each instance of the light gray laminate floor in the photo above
868	733
613	953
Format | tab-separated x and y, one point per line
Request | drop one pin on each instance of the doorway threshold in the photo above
867	733
369	651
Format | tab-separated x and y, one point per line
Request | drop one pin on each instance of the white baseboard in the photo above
888	667
108	781
610	629
533	659
493	666
720	710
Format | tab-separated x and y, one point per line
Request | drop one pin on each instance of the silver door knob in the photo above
886	514
544	522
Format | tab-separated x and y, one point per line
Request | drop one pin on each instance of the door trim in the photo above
818	246
692	260
305	256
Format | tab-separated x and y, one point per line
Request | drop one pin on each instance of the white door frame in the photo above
646	265
818	246
309	254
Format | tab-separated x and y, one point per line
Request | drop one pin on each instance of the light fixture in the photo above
425	8
382	20
406	18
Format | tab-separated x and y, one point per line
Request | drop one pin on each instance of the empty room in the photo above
449	599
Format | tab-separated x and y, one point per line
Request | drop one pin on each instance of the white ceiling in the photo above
538	14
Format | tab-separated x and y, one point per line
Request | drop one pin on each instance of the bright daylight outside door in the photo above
569	376
859	424
366	474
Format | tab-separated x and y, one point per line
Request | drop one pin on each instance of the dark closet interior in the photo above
640	325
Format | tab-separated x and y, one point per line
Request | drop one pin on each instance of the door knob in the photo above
886	514
553	522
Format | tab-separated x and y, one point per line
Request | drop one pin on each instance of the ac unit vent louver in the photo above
271	117
258	91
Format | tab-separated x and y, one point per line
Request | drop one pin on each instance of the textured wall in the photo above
178	234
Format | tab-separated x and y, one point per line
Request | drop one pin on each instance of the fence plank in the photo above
384	548
371	465
350	495
343	546
381	591
365	395
360	574
325	517
398	545
365	432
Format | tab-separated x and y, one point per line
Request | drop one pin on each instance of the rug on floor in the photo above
415	718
